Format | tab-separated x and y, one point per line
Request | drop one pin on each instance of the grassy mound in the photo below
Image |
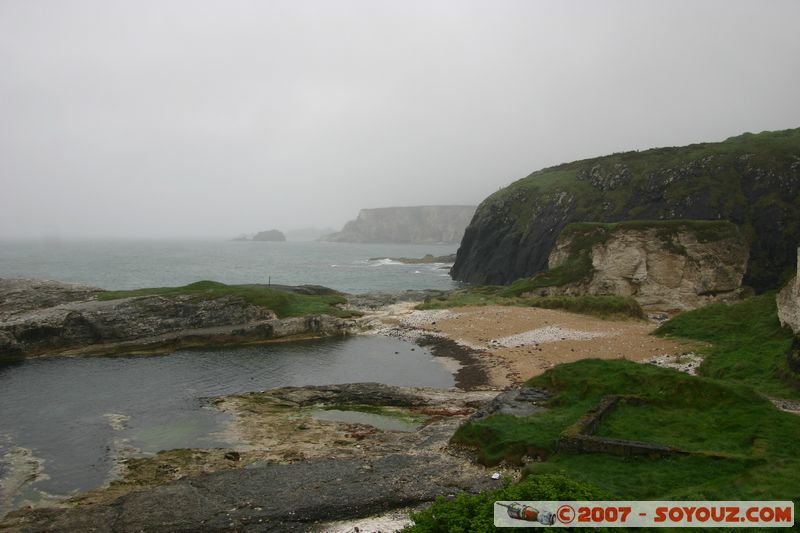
283	302
760	442
600	306
748	344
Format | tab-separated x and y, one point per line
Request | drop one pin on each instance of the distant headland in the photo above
427	224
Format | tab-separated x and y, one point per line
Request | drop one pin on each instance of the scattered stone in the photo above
687	362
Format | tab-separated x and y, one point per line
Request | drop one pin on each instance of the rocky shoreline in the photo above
289	460
51	318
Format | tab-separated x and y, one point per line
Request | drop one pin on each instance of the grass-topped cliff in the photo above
752	180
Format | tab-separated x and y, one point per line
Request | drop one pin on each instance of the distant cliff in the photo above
752	180
407	225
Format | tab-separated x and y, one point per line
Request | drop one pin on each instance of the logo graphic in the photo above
517	511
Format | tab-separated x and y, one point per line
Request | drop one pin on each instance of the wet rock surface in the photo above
276	497
347	471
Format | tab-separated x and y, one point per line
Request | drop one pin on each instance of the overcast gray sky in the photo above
200	118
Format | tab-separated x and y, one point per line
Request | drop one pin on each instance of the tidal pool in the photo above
67	419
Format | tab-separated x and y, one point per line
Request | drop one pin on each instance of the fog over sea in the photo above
159	263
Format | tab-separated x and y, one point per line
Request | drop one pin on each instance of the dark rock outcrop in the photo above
751	180
407	225
272	235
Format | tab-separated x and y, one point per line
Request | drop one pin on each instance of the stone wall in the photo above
580	437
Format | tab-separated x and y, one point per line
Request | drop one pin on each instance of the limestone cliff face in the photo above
673	269
789	303
407	225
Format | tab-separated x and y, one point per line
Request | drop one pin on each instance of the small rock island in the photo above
272	235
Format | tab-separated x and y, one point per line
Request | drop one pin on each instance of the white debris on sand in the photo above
545	334
687	362
385	523
415	319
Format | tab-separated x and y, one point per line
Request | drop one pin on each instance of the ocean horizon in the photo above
138	263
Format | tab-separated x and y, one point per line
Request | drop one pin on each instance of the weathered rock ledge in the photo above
50	318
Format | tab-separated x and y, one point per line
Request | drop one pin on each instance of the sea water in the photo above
65	421
346	267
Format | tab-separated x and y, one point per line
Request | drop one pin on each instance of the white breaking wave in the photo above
386	261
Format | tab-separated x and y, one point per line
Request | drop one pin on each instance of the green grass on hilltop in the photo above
766	149
747	343
600	306
284	303
694	413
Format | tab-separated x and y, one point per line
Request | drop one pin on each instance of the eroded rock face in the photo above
681	273
789	303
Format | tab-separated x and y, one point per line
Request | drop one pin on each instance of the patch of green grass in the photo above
474	513
599	306
679	478
694	413
747	343
284	303
508	438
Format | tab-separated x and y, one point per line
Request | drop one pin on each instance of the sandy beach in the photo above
517	343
